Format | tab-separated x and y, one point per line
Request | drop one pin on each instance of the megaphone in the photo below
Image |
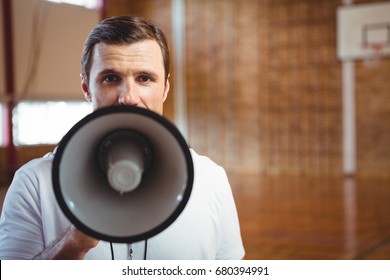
122	174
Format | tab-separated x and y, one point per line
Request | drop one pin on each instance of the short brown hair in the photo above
123	30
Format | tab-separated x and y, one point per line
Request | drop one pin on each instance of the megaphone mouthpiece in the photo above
124	156
124	176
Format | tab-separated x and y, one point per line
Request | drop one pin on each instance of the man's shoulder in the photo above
207	170
38	164
202	160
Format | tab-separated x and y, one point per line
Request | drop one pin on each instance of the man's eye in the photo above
144	79
111	78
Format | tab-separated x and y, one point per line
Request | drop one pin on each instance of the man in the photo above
125	61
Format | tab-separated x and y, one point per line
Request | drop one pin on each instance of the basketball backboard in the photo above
363	31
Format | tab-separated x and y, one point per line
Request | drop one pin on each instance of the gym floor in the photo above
295	218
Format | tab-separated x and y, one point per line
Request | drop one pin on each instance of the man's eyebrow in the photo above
151	73
108	71
148	72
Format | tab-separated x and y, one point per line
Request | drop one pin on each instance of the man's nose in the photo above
129	95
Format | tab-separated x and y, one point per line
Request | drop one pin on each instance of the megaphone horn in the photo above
122	174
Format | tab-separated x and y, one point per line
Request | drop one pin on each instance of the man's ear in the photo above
85	88
166	90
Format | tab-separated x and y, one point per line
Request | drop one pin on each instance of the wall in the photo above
373	115
48	40
2	66
275	100
264	89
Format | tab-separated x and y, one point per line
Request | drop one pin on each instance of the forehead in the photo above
143	54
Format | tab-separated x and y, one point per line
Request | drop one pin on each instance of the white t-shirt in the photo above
208	227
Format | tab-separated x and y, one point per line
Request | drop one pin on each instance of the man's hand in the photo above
72	245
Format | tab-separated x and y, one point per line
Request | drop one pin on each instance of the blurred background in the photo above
272	90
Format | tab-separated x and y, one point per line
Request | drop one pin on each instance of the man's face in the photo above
128	75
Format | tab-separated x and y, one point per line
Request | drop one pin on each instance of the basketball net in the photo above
375	51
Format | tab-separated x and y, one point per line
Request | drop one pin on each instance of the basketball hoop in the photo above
374	50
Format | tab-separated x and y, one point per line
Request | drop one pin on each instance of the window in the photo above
90	4
46	122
